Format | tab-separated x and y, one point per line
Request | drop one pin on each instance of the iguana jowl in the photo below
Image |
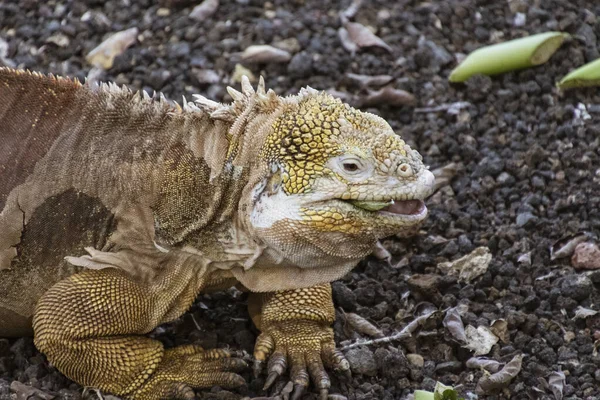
117	210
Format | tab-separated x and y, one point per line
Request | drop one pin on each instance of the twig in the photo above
405	333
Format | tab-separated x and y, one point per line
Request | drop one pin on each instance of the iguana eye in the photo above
350	166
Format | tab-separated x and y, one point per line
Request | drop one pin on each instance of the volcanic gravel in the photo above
527	161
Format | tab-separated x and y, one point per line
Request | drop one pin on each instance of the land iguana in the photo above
118	209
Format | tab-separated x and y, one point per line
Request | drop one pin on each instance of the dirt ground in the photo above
526	159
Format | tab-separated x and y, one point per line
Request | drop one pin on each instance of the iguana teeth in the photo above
371	205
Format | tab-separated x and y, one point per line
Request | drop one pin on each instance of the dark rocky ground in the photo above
527	157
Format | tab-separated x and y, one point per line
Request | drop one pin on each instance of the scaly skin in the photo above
117	210
296	328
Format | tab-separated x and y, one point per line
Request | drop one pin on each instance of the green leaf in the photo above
423	395
585	76
509	56
370	205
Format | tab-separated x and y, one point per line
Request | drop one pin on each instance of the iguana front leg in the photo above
296	332
90	327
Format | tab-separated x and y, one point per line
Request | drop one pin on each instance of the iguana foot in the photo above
186	367
306	347
92	327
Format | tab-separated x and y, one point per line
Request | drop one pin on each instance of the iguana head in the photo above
333	180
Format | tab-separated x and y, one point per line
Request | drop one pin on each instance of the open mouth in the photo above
397	207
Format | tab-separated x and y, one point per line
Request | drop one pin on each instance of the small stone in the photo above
453	367
362	361
4	347
204	10
505	179
538	182
531	302
301	65
450	249
291	45
245	339
489	166
343	296
547	356
416	360
158	78
425	283
393	365
577	287
180	49
163	12
526	219
586	256
205	76
478	87
430	54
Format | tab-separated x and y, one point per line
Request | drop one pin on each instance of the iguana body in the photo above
117	210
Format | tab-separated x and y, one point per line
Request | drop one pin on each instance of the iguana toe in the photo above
181	370
306	348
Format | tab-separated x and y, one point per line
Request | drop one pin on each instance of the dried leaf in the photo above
405	333
336	396
502	378
104	55
24	392
425	308
369	80
240	71
450	108
483	363
354	36
565	246
586	256
453	322
499	328
204	10
387	96
480	339
347	42
97	17
264	53
351	11
206	76
557	382
59	40
568	336
582	312
470	266
4	60
381	253
525	258
444	175
362	326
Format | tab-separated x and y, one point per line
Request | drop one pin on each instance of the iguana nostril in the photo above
404	170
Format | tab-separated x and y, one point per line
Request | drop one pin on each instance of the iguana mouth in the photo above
397	207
